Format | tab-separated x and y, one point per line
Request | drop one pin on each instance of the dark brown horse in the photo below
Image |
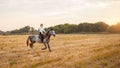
35	39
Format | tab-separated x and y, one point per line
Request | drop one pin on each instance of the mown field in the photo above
68	51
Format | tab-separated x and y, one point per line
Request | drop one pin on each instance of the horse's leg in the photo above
49	46
45	47
31	44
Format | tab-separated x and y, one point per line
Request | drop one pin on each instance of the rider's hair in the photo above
41	24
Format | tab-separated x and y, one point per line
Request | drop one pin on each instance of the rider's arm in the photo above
44	31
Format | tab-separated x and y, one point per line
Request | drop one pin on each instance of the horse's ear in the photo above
51	29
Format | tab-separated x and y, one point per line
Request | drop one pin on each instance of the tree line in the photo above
87	28
71	28
23	30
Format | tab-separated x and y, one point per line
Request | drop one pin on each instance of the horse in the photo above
36	39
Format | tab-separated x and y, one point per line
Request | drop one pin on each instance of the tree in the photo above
1	32
100	27
70	28
114	28
23	30
85	27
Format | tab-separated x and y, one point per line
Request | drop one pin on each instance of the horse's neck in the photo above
48	36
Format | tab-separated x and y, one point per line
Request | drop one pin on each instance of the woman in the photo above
41	32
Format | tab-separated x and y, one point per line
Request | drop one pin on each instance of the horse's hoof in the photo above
31	47
50	51
43	48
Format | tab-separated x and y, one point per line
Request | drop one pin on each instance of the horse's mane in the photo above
47	33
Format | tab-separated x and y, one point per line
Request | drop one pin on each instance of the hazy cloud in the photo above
51	5
58	10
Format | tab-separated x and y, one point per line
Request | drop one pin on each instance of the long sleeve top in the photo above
41	29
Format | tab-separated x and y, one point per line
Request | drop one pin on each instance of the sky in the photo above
15	14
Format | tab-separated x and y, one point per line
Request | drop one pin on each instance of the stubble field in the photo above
68	51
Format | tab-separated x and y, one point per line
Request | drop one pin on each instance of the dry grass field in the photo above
68	51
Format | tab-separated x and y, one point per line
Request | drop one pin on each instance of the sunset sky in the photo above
15	14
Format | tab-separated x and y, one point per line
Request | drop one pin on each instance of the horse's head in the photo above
52	32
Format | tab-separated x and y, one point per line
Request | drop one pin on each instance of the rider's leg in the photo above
42	37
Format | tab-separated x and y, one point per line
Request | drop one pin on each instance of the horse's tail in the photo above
28	40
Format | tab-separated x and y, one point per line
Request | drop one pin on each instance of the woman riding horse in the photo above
35	39
41	32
